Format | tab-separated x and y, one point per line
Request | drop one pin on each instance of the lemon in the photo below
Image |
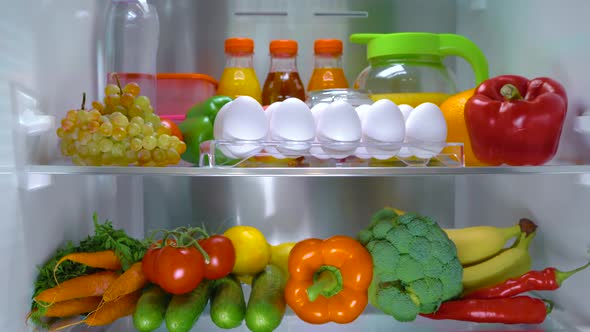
280	255
252	250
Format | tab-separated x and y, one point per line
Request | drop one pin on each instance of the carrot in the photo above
73	307
109	312
106	259
87	285
131	280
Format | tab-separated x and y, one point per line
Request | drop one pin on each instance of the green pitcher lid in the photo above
422	43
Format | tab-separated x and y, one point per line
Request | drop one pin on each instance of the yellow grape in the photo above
174	141
121	109
105	145
119	120
72	115
92	126
149	142
104	118
138	120
93	149
94	115
67	125
148	110
98	106
77	160
135	112
163	130
83	116
131	156
181	148
147	129
119	133
132	88
163	141
60	132
112	100
173	156
107	158
108	110
144	156
143	102
127	100
136	144
106	129
83	150
112	89
93	161
158	155
67	148
133	129
121	161
97	136
84	137
118	150
149	164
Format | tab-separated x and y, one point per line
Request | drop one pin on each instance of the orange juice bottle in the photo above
238	77
327	72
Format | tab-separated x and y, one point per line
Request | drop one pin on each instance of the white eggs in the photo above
384	129
272	150
339	129
426	131
405	109
242	120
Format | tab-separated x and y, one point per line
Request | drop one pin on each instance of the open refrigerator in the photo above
51	50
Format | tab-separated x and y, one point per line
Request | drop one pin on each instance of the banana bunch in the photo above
486	261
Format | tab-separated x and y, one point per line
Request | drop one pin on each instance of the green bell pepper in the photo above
208	108
195	130
198	126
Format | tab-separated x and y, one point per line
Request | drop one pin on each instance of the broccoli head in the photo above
415	264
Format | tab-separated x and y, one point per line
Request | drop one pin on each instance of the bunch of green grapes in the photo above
122	131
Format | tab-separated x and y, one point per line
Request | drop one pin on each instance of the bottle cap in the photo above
239	45
328	46
283	47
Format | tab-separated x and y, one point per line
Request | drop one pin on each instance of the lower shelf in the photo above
370	321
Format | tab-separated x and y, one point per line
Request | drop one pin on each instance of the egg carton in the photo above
260	154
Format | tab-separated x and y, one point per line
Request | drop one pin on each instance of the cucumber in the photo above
228	306
149	313
266	305
184	310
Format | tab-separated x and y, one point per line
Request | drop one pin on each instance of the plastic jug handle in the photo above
457	45
364	38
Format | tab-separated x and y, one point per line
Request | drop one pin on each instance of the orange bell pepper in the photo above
328	280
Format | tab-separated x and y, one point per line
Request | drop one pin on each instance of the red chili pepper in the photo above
548	279
513	310
514	121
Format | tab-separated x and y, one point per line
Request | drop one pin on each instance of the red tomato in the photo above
222	256
148	264
179	270
174	130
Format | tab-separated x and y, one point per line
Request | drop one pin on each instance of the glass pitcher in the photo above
408	68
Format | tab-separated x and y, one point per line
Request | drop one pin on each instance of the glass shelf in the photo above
302	171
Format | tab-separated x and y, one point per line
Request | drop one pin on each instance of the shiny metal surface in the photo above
288	209
192	33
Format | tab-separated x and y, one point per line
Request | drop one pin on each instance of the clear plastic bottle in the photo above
283	79
327	72
132	32
238	77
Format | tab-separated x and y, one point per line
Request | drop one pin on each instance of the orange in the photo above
454	111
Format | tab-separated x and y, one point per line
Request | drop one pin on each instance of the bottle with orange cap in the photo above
327	72
238	77
283	79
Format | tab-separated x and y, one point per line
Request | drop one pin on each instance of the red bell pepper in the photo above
514	121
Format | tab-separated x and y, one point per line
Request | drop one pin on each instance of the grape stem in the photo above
83	101
118	83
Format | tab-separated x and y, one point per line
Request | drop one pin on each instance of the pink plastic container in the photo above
178	92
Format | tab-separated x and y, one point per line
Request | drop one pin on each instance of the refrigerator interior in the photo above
51	51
